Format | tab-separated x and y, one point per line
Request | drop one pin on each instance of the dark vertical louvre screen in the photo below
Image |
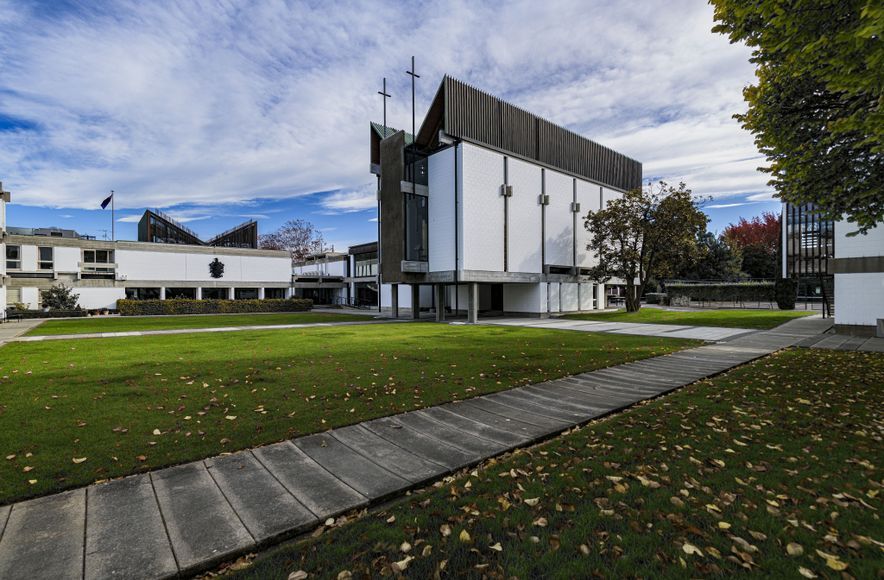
477	116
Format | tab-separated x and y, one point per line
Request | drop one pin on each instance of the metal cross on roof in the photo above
383	93
414	76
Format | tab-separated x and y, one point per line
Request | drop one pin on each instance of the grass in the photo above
132	404
129	324
720	478
762	319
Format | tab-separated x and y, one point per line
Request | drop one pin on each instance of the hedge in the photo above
187	306
77	312
786	293
721	292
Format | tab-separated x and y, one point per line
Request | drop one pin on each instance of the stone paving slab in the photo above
450	434
125	534
315	487
265	506
388	455
183	519
44	538
203	528
422	444
357	471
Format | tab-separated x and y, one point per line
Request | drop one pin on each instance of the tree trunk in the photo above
633	297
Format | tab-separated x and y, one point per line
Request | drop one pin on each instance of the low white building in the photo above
102	272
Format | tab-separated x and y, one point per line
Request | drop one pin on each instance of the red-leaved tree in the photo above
763	230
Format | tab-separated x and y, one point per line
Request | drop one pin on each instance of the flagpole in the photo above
113	221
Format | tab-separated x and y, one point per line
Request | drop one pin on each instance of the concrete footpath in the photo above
191	517
709	333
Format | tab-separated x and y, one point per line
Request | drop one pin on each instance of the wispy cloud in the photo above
130	219
210	103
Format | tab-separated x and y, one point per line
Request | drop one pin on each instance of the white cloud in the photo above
130	219
362	199
214	104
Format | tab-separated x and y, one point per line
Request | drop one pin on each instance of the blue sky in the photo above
218	112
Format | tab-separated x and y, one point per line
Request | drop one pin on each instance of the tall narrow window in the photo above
45	258
13	257
416	231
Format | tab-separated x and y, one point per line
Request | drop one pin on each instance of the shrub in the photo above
786	292
680	293
59	297
187	306
74	313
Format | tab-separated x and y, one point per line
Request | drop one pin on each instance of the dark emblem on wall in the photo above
216	268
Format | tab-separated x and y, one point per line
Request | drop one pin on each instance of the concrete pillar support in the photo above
199	293
600	303
231	293
261	293
394	300
473	306
439	289
415	301
162	293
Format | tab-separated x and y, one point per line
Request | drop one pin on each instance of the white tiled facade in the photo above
859	297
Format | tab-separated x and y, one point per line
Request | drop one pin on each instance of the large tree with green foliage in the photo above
645	234
817	108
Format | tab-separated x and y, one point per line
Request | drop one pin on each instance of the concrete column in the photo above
289	292
473	305
231	294
162	293
199	293
394	300
261	293
600	304
415	301
439	289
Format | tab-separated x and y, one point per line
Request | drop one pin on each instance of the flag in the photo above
107	201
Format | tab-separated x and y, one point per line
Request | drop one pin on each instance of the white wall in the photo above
863	245
28	258
589	198
426	296
481	212
586	301
441	210
524	211
859	298
31	298
568	298
67	259
194	267
528	298
559	219
553	304
95	298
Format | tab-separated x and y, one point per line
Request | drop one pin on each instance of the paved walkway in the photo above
42	338
190	517
845	342
710	333
12	330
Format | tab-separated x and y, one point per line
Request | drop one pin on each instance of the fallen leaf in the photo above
405	547
532	501
233	417
691	549
157	432
496	547
401	565
445	530
79	459
465	537
299	575
806	573
540	522
794	549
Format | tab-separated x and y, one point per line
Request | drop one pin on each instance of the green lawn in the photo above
130	404
728	318
128	323
721	478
